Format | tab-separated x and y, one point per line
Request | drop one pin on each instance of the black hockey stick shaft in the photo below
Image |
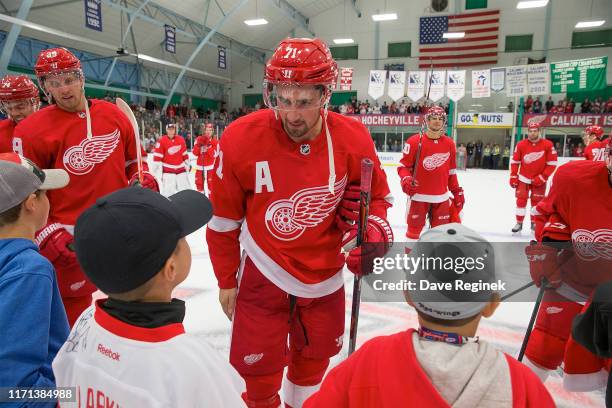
417	156
516	291
534	314
367	167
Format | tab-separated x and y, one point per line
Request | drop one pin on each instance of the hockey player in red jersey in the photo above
533	161
574	254
206	149
171	153
284	187
18	99
595	150
95	143
435	177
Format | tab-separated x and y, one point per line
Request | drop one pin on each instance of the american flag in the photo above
478	47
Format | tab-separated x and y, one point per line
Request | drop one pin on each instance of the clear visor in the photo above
435	116
294	97
61	79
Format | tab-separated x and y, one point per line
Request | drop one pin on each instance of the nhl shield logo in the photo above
305	149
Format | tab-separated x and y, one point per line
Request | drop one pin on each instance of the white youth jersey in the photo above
120	365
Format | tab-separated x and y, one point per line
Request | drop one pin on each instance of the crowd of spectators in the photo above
565	105
482	155
356	107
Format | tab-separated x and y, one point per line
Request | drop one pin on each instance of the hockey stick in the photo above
417	156
125	108
536	308
367	166
519	290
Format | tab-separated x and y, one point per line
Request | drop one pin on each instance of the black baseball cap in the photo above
125	238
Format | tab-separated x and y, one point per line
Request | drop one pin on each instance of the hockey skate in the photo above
517	228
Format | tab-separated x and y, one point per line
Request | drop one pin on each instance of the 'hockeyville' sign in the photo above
570	120
389	120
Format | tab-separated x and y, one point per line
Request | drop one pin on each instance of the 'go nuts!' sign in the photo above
570	120
484	120
578	75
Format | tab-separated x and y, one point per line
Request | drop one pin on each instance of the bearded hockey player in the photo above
283	177
533	161
206	149
171	153
18	99
95	143
429	182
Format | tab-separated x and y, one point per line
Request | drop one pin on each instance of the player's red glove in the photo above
458	198
55	245
543	263
514	181
379	237
148	181
409	185
538	181
348	210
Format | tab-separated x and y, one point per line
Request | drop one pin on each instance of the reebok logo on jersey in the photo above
435	160
82	158
531	157
107	352
252	358
174	149
553	310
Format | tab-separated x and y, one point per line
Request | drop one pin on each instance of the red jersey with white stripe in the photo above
436	170
206	150
172	153
531	159
7	126
56	139
596	151
579	208
271	196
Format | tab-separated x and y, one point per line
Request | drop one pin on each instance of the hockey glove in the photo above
514	181
409	185
538	181
458	198
379	238
148	181
543	263
348	210
55	244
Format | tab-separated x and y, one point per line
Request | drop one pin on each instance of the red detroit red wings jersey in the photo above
206	150
7	126
437	163
579	207
172	153
534	158
596	150
55	139
277	192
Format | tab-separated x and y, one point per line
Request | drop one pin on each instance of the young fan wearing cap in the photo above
533	161
442	364
171	153
18	99
94	142
595	149
206	149
430	189
282	176
32	318
131	349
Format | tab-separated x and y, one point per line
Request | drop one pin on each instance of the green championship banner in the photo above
578	75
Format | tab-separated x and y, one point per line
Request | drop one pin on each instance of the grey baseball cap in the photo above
452	258
19	178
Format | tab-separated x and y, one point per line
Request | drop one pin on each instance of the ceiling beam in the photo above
43	6
293	14
11	38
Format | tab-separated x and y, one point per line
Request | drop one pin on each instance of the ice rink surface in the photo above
489	210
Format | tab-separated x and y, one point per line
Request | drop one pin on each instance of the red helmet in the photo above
56	61
16	87
302	61
595	130
534	125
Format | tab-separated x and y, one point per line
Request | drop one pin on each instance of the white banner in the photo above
437	79
484	120
538	79
516	80
481	83
397	83
498	79
376	88
346	79
416	85
455	85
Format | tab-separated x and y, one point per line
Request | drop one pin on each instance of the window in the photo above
597	38
399	49
475	4
344	53
516	43
341	97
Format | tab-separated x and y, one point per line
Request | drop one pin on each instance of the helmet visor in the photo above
294	96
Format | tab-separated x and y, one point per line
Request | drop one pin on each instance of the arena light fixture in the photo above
589	24
531	4
459	34
384	17
256	22
343	41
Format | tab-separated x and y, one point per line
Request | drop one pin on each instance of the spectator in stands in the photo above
384	109
506	157
486	156
586	106
572	106
393	108
578	151
376	109
528	103
495	154
461	157
510	107
478	154
608	107
537	105
549	104
470	154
